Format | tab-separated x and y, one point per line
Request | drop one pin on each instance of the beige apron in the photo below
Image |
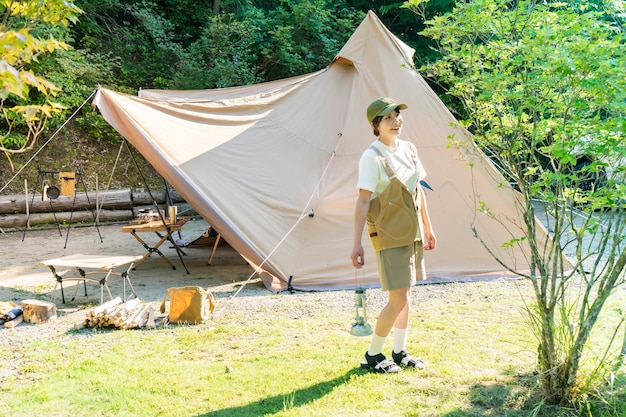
392	219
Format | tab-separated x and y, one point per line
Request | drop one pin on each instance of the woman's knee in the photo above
400	297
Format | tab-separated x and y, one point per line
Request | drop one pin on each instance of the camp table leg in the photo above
151	250
179	251
59	279
126	278
82	274
145	245
76	290
159	243
104	284
102	281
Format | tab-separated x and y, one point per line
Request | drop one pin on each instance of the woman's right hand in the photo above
358	256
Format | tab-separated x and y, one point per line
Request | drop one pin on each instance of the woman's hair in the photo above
375	124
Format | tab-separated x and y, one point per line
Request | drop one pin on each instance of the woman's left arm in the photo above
430	241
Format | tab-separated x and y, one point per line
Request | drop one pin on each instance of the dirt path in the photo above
21	276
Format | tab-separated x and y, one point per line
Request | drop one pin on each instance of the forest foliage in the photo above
127	45
528	78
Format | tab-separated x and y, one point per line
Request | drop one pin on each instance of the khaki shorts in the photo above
401	267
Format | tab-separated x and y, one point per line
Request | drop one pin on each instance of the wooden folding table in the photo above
100	267
164	231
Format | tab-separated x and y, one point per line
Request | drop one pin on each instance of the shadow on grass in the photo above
520	397
281	402
515	398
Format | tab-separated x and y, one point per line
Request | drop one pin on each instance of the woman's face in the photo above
391	124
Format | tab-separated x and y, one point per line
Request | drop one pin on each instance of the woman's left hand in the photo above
430	242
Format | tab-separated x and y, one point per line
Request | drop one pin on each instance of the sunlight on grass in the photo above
297	359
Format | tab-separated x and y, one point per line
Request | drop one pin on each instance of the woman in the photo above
398	267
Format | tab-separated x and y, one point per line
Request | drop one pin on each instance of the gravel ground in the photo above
21	278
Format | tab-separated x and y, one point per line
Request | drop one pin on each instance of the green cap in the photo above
382	106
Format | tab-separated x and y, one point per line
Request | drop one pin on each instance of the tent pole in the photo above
145	183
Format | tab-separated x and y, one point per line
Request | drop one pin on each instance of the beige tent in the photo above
273	166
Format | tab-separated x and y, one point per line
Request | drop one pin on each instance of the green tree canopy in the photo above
543	86
28	31
185	45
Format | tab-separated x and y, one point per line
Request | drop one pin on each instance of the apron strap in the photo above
383	160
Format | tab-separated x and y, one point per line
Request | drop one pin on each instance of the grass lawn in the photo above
291	355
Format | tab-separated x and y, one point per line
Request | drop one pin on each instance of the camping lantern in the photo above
360	327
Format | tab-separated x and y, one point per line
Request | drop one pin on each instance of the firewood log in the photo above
38	311
127	323
140	319
150	324
14	322
112	311
98	310
128	306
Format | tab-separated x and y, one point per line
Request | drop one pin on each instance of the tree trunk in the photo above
18	221
112	200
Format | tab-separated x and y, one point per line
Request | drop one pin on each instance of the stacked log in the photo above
113	206
132	314
113	200
18	221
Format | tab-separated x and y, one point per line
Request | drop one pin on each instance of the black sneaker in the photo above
405	359
379	363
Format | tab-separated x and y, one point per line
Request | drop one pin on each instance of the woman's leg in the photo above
396	311
402	321
400	334
400	329
396	305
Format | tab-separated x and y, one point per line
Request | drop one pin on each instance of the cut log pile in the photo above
18	211
132	314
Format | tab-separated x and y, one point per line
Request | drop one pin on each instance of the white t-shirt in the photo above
403	160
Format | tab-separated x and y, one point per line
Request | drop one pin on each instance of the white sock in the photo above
399	339
376	345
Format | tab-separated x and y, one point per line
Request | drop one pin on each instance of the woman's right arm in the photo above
360	215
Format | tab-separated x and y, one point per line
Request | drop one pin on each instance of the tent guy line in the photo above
117	159
258	269
304	214
48	141
310	213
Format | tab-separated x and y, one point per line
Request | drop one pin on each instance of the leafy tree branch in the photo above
543	87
